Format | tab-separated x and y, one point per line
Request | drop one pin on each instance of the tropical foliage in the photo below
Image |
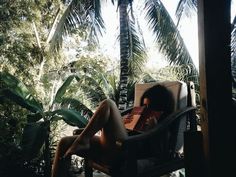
82	85
40	87
38	120
132	48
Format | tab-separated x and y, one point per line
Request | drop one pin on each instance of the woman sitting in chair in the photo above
107	118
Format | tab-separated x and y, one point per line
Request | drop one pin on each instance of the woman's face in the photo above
146	101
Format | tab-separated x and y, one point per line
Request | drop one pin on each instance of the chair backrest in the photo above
179	92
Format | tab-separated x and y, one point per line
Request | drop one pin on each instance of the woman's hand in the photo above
150	122
127	119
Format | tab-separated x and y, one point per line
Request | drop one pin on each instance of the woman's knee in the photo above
108	103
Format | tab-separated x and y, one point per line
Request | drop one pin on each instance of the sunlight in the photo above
233	9
187	27
108	42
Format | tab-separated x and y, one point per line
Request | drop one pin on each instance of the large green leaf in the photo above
33	138
11	95
18	92
71	117
77	105
61	91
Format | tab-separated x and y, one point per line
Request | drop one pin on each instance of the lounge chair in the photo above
138	161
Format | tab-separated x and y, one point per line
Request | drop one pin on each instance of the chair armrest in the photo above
132	140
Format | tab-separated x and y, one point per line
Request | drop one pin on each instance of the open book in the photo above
137	118
134	117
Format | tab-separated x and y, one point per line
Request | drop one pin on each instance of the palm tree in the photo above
187	6
233	56
170	42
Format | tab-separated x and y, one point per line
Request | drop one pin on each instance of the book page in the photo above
134	120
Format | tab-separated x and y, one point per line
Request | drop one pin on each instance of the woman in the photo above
107	118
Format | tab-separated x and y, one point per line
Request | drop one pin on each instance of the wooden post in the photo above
215	87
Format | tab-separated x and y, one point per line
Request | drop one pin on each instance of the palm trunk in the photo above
233	57
124	54
233	68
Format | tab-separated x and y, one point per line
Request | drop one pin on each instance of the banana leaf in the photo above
25	103
77	105
71	117
61	91
15	90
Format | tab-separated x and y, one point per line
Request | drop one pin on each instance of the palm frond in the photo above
68	21
95	22
167	35
137	53
185	7
112	1
78	13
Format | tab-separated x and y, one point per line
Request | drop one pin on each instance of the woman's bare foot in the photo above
76	147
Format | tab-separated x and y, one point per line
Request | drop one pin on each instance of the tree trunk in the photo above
124	54
233	56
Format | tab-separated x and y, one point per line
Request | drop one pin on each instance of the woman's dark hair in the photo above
161	98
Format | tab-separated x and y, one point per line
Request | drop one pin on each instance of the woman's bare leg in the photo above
60	166
106	117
